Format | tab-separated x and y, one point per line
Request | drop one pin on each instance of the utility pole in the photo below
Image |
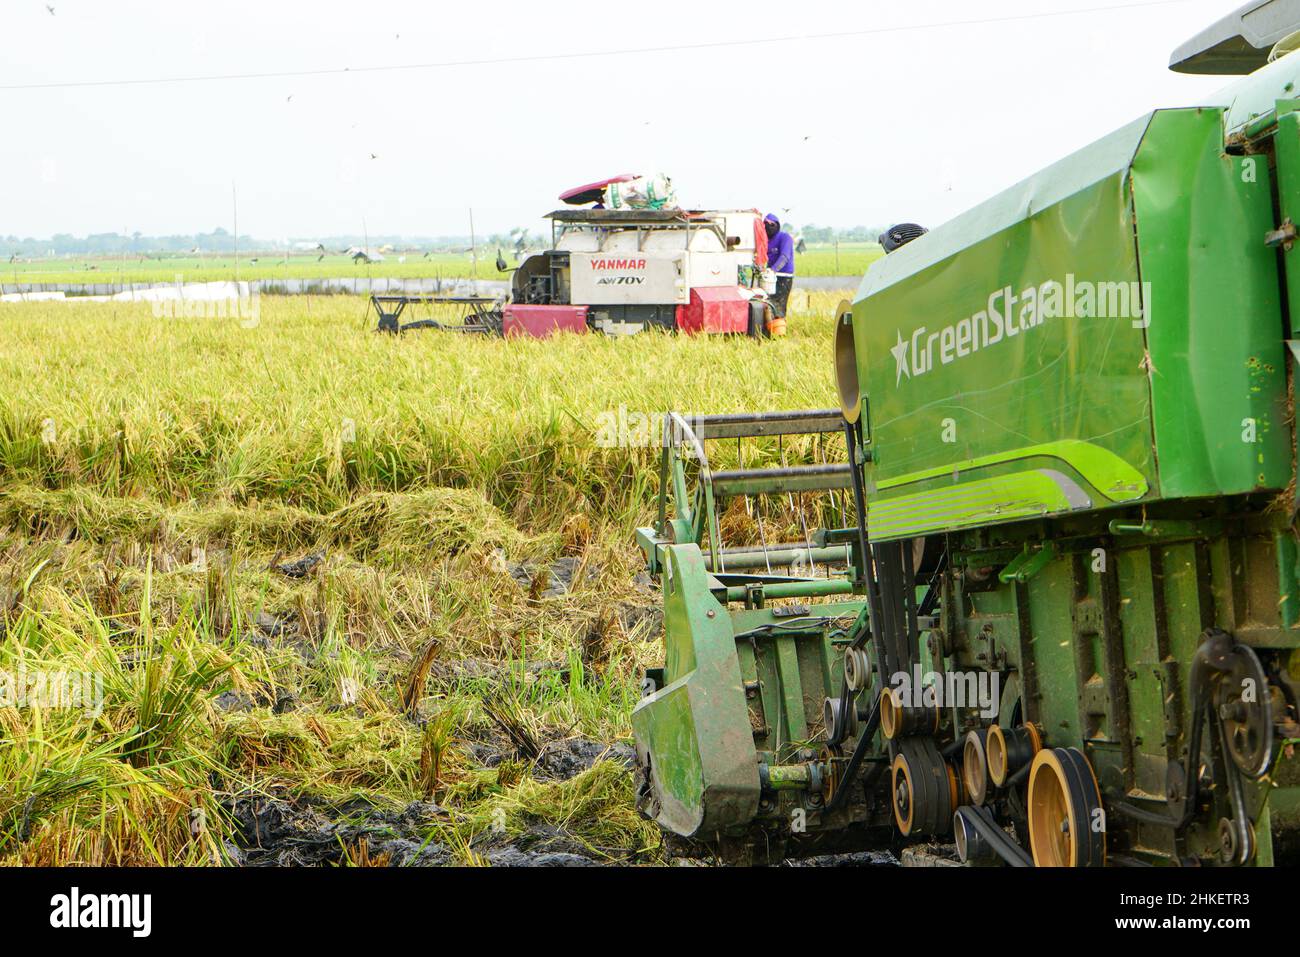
473	252
234	199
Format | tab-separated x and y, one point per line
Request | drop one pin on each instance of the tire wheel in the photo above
757	319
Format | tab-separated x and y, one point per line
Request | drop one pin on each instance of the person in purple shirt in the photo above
780	259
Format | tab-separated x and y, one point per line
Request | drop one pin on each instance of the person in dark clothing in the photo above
780	259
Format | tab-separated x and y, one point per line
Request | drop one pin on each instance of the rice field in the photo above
851	259
343	598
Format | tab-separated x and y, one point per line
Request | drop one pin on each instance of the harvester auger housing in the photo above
1067	632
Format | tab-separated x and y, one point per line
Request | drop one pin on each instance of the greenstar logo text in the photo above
1007	314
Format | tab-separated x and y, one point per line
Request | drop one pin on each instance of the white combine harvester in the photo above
625	258
645	263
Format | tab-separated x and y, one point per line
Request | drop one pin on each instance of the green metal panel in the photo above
1101	468
975	502
988	362
1043	352
705	767
1218	382
1051	647
787	666
1140	670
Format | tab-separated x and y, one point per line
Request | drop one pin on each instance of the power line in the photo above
591	54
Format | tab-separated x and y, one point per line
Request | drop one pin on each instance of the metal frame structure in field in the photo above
478	313
696	516
787	634
1068	628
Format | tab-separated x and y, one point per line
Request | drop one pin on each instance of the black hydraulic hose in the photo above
1007	849
859	752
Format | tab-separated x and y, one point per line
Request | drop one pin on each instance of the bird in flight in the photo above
50	8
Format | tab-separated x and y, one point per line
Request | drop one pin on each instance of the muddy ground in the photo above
287	831
284	831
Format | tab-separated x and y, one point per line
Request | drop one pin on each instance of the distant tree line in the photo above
813	233
115	244
222	241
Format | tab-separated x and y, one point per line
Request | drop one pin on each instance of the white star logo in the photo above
900	360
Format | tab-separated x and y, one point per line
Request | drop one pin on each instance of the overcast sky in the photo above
886	124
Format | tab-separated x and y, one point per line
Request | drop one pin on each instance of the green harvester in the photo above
1053	616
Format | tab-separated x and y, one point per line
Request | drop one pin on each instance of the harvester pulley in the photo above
1230	694
1067	826
1243	701
925	789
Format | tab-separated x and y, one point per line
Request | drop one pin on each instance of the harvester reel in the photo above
1067	826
